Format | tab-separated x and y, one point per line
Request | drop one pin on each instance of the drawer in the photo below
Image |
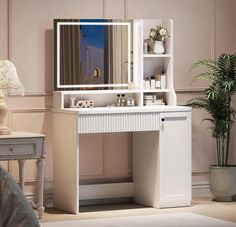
122	122
17	149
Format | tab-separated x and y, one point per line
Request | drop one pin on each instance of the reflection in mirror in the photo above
92	53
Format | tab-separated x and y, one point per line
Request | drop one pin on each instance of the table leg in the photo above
21	174
40	166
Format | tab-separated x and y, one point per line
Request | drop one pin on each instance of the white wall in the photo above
202	29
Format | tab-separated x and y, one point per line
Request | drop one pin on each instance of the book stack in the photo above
153	100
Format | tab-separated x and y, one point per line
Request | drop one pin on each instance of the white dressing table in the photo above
161	134
161	153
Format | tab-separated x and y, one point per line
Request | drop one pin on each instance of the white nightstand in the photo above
22	146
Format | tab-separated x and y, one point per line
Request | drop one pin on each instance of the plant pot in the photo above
223	182
158	47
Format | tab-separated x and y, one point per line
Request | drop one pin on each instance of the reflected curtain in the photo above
117	54
70	53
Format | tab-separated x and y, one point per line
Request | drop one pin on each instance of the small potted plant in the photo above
217	101
158	35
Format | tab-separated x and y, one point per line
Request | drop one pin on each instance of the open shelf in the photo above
118	91
156	55
156	90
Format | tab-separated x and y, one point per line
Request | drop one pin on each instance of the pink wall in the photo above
202	29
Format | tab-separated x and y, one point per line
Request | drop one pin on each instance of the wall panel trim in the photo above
190	90
213	45
104	9
126	10
36	94
30	110
201	189
200	171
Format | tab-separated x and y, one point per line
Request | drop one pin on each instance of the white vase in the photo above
158	47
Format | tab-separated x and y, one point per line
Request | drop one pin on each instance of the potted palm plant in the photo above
217	101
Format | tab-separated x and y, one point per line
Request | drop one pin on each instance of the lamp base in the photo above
5	130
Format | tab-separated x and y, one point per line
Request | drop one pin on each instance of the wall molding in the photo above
4	34
213	31
8	28
200	171
104	9
26	111
36	94
33	180
190	90
201	189
126	10
177	90
30	110
47	198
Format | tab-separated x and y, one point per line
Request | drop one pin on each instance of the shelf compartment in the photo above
157	90
156	55
120	91
99	99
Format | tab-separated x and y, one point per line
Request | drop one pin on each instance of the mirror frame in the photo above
57	24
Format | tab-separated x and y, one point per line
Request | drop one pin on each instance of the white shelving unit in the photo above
155	64
145	65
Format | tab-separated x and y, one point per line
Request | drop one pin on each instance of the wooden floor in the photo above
204	206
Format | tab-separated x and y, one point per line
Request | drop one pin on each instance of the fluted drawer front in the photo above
126	122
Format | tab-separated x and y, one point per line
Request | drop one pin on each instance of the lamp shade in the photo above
9	79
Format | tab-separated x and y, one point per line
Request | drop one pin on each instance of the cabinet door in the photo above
175	159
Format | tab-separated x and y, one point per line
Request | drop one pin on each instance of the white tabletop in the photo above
20	134
134	109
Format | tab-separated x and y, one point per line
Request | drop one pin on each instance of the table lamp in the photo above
8	81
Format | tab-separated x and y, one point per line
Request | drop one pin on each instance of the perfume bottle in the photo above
118	102
163	80
147	83
123	100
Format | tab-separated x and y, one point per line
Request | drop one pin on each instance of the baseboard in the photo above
48	198
94	194
201	190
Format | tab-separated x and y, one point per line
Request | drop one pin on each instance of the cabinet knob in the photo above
162	119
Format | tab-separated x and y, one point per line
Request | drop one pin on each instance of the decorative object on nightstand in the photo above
159	35
9	81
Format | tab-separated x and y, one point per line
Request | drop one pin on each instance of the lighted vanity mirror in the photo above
92	54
